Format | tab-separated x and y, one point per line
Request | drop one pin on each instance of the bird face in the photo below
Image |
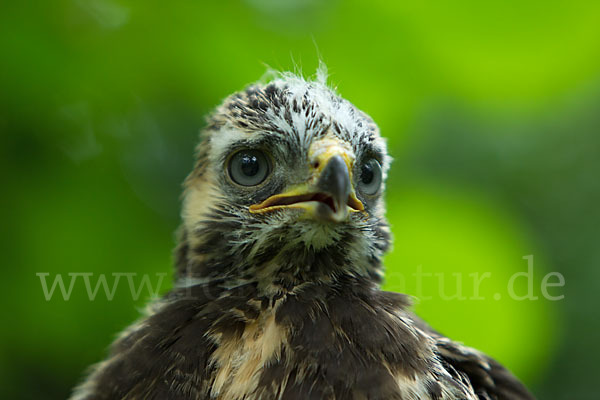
328	194
288	166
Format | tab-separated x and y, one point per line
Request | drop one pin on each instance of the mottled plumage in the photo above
277	283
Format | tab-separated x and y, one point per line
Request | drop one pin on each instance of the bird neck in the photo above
214	254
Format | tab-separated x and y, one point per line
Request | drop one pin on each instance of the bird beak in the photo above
328	196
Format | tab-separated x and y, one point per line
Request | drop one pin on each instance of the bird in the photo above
278	271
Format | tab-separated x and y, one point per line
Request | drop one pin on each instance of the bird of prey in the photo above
278	272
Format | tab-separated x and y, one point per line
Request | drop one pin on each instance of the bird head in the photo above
287	188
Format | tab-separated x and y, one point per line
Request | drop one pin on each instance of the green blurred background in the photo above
491	113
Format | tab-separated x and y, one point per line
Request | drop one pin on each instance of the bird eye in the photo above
248	167
370	177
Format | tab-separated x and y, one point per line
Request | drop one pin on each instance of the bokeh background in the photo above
491	110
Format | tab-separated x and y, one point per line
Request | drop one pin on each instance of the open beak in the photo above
331	198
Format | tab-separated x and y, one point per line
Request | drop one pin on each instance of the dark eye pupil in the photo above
250	165
367	174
